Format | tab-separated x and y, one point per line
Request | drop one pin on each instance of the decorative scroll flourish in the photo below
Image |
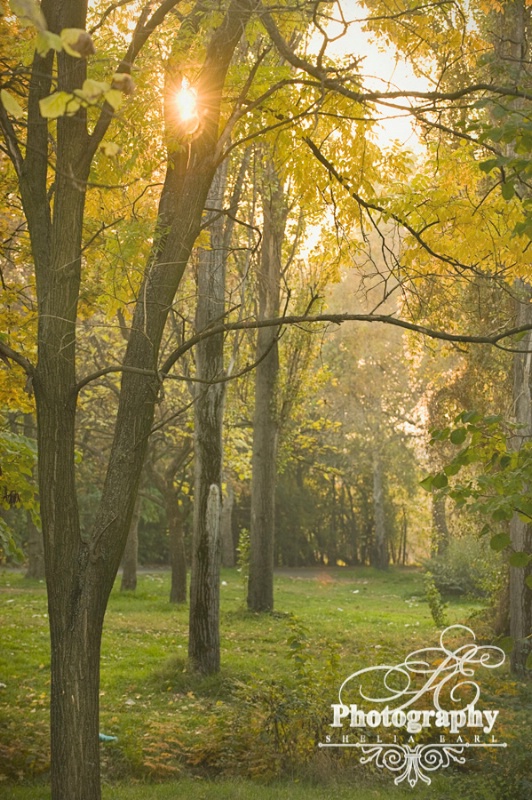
412	762
439	670
446	675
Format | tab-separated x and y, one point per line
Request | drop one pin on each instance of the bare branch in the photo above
7	354
304	319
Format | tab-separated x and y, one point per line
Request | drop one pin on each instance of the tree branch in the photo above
327	82
452	262
141	34
7	354
300	319
10	138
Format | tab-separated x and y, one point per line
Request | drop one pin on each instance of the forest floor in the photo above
254	728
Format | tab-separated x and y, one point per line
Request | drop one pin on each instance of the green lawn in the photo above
207	737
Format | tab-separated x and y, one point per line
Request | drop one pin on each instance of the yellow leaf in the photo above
77	42
46	41
92	90
110	148
59	104
114	98
11	105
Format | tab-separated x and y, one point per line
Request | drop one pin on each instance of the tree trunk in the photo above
265	423
75	706
204	635
520	596
228	546
380	546
178	560
130	557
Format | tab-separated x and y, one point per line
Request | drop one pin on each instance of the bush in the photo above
468	567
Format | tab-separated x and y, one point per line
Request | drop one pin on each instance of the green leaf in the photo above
508	191
499	542
453	468
502	514
469	416
458	436
440	481
528	581
489	165
426	483
528	663
11	105
506	644
519	559
440	435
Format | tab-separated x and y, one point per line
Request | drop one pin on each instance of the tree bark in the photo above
204	635
130	557
520	596
178	559
265	422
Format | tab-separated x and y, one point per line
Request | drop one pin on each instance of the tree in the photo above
56	154
265	417
80	570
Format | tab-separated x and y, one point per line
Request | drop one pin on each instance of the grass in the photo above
175	726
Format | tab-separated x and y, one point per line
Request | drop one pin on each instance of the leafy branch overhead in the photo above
495	478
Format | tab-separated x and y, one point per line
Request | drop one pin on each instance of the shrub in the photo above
468	567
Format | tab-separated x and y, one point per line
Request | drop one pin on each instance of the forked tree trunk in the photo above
131	552
265	421
520	595
80	569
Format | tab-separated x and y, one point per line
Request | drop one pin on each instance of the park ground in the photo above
253	729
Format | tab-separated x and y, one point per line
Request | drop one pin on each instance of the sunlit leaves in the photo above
46	41
11	105
77	43
29	13
59	104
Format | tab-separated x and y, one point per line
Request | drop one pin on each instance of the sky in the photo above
382	68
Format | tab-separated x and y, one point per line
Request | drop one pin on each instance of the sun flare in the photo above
187	101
